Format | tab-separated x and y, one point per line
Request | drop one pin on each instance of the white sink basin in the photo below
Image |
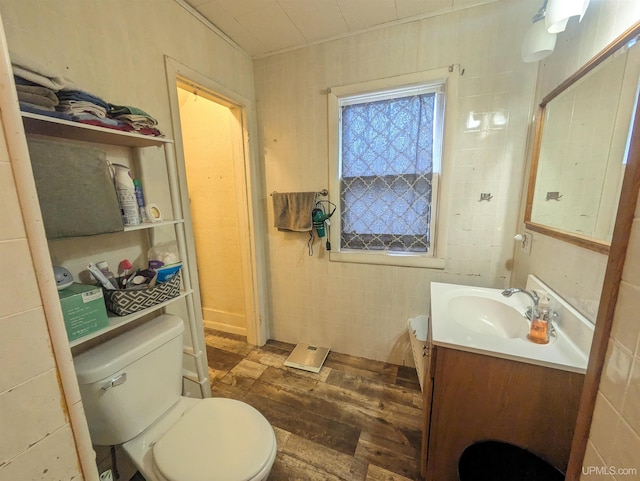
482	321
488	316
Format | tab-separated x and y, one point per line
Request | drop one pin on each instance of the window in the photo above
388	145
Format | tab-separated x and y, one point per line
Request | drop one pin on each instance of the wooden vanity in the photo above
484	384
472	397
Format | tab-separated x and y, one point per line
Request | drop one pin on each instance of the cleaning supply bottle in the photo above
541	320
140	199
126	193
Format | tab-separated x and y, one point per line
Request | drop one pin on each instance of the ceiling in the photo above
263	27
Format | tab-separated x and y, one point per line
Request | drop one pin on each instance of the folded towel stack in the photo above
138	119
43	92
75	102
35	95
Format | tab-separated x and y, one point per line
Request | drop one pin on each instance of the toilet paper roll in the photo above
154	214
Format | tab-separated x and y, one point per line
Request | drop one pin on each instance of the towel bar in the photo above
323	192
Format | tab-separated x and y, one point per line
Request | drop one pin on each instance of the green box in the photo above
83	309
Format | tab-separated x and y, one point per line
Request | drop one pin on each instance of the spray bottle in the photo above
126	194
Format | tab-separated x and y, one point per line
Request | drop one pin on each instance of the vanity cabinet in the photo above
144	155
471	397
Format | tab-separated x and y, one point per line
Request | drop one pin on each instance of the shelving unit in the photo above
152	225
117	321
64	130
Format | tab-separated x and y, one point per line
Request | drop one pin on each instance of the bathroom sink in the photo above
488	316
483	321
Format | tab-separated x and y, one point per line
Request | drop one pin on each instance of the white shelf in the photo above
118	321
152	225
65	129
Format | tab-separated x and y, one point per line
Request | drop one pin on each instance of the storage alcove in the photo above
153	159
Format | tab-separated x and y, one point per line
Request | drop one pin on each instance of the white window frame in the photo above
435	258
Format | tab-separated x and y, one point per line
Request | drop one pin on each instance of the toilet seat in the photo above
218	439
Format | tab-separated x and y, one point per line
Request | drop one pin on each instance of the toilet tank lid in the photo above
108	358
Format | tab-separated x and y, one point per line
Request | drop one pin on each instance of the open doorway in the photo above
212	138
241	128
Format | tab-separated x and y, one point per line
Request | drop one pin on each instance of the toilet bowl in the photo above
205	440
130	388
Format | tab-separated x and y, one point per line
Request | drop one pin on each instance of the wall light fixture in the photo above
538	43
560	11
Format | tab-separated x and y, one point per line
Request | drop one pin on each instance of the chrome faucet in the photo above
532	294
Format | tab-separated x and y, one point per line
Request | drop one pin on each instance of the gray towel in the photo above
36	95
292	210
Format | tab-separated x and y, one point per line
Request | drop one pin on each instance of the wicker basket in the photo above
123	302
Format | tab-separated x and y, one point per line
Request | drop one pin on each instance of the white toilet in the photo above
130	388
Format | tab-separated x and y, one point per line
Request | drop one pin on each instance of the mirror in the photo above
581	148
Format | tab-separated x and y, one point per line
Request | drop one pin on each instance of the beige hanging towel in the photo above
292	210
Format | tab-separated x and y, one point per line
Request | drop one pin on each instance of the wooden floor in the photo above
357	420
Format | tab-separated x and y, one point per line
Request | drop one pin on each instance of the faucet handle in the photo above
536	295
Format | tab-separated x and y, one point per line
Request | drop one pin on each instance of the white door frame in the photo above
251	229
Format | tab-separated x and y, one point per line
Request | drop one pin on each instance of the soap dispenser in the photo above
541	320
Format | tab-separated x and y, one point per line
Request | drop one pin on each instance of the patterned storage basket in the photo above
123	302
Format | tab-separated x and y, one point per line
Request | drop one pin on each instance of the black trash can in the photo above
499	461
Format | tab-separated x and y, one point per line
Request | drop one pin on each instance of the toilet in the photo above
131	392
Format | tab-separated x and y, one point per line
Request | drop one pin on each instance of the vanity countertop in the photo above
568	349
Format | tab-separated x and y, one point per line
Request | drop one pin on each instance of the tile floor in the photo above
356	420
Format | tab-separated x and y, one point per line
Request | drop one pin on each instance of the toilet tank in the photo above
129	381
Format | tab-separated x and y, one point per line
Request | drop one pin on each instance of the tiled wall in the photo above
36	441
362	309
577	274
614	440
573	272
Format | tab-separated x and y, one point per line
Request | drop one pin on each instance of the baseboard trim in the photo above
219	326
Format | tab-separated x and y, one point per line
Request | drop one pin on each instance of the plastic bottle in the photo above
126	195
540	321
103	275
104	268
140	200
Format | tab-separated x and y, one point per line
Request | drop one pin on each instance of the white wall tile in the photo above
604	423
25	346
12	226
30	412
592	462
626	328
52	458
18	289
615	374
631	273
625	450
631	410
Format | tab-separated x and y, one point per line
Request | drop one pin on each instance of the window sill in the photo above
388	259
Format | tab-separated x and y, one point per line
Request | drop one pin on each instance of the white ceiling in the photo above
262	27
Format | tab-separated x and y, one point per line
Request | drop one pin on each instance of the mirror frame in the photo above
620	242
572	238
